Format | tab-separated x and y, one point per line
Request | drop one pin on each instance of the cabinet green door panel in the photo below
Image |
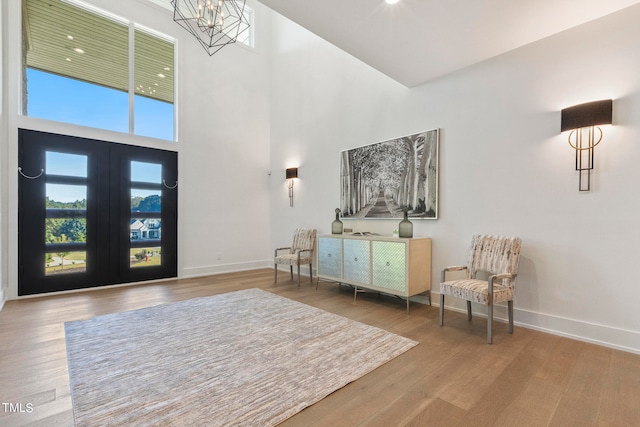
389	265
357	261
330	257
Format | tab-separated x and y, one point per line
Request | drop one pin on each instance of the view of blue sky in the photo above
66	193
146	172
66	164
67	100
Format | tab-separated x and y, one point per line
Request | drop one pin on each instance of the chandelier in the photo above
214	23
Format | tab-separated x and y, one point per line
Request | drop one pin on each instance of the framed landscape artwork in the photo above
382	180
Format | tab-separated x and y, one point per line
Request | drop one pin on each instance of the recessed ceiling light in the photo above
78	50
167	69
391	1
68	59
70	37
162	76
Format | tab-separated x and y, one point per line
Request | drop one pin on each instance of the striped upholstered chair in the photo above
497	256
299	253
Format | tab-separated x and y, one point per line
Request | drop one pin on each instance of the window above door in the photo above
88	67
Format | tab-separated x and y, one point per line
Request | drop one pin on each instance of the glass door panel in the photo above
146	172
149	201
149	242
64	230
58	213
65	262
145	257
65	196
66	164
146	215
65	224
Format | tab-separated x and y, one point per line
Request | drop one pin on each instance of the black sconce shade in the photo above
292	173
589	114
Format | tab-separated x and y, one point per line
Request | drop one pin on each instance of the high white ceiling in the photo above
415	41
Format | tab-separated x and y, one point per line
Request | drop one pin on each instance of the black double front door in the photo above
94	213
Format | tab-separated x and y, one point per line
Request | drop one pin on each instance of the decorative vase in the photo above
405	229
336	226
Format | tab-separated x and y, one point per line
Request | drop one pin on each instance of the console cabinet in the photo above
394	266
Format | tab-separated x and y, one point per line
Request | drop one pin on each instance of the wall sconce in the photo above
292	174
582	120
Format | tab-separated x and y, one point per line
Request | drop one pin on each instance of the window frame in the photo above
132	28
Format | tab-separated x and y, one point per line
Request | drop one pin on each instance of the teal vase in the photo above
405	229
336	226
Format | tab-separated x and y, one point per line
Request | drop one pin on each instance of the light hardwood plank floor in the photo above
452	378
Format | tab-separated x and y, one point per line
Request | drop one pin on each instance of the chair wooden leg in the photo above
441	309
298	275
510	306
469	310
490	321
310	273
275	269
291	271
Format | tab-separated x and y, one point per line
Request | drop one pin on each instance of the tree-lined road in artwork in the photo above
382	180
380	209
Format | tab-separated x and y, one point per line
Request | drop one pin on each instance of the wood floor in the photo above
452	378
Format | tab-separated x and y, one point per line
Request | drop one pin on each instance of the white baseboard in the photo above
607	336
225	268
304	269
2	298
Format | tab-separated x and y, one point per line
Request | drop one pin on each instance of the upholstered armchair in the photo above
498	256
300	252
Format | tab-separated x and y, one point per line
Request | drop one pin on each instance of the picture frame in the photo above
384	179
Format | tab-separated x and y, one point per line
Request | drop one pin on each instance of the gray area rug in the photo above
242	358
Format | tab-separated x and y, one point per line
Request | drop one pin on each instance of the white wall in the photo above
504	167
3	157
223	125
